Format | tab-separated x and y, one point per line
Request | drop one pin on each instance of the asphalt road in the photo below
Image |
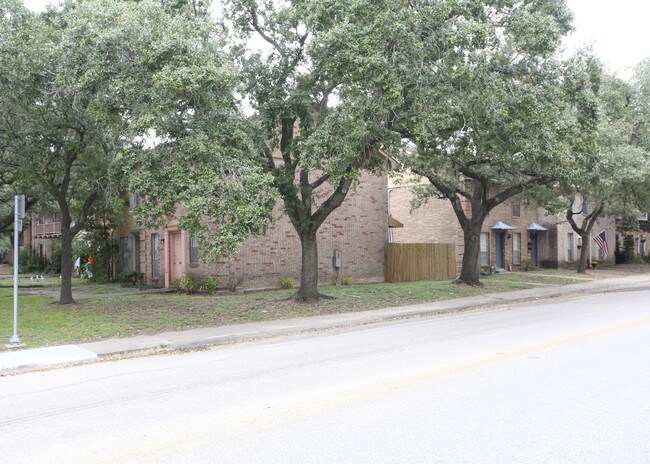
567	382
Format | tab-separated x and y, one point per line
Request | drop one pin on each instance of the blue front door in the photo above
533	249
500	238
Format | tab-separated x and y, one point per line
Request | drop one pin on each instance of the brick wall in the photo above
436	222
564	229
357	230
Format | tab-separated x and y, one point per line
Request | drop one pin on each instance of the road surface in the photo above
567	382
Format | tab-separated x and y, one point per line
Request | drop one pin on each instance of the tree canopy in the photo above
487	110
100	81
319	89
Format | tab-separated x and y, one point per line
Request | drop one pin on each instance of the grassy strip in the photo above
538	279
44	323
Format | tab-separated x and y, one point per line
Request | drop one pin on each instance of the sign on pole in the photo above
19	214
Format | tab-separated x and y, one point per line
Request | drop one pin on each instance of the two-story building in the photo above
515	234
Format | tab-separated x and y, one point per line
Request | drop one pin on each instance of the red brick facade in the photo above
356	231
436	222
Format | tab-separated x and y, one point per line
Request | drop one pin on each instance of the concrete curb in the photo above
214	336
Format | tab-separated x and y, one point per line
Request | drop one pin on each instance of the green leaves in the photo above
320	87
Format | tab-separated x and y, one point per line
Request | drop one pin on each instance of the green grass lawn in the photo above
535	278
42	322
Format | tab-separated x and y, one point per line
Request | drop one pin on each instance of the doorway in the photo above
176	259
500	248
533	249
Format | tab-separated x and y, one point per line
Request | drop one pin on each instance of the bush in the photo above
186	284
55	263
99	279
131	278
209	285
335	280
528	265
346	279
286	282
29	262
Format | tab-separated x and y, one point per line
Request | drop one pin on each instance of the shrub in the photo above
335	280
99	279
55	263
29	262
286	282
346	279
130	277
209	285
186	284
528	265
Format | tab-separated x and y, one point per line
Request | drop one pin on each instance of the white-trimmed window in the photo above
126	254
516	248
485	249
641	245
194	250
155	256
134	200
516	209
569	247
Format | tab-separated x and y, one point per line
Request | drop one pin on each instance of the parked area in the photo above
112	310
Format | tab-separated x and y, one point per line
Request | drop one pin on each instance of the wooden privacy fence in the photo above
408	262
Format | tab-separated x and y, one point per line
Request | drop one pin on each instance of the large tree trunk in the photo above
584	254
584	232
309	272
66	265
471	269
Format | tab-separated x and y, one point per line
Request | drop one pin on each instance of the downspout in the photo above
390	231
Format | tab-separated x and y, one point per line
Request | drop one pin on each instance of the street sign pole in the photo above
19	213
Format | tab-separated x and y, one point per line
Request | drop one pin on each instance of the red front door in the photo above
176	258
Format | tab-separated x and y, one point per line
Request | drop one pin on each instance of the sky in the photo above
618	31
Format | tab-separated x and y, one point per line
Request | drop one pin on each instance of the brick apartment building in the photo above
635	241
513	233
354	236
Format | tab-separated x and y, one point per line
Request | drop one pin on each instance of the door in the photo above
500	249
533	249
176	268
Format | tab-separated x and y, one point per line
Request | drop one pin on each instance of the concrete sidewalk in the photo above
32	359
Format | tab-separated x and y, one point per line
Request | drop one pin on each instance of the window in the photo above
516	248
516	209
569	247
485	249
194	250
642	248
136	251
643	217
134	200
155	256
125	254
585	204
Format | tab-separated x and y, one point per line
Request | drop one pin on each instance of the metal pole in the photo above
15	339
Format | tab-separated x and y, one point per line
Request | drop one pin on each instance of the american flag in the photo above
601	240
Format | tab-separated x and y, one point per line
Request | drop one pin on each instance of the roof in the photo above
394	223
502	226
